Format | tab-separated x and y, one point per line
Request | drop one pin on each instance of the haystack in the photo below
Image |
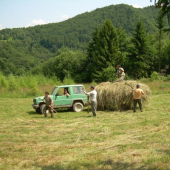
119	95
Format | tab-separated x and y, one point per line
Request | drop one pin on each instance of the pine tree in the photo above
102	51
160	25
122	38
139	58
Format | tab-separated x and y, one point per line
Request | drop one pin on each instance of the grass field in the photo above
78	141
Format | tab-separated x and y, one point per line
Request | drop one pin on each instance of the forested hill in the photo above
23	48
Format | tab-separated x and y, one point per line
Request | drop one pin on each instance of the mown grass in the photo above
73	141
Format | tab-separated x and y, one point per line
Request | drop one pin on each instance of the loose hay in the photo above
119	95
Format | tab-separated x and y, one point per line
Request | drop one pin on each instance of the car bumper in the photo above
35	106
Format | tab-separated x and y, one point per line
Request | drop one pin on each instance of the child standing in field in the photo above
137	93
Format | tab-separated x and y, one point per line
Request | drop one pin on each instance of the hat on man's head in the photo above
138	85
47	92
92	87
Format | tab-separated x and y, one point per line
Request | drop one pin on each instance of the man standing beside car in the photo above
49	104
93	97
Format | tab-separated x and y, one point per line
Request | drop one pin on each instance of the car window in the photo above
61	91
78	90
54	91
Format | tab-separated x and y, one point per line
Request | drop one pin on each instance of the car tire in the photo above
42	109
38	110
77	107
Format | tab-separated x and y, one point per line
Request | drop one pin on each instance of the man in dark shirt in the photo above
49	104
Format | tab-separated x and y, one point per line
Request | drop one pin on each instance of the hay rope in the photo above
119	95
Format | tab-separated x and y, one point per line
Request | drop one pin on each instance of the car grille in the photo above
34	101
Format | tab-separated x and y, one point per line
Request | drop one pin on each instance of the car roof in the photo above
75	85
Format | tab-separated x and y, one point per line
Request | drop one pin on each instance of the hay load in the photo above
119	95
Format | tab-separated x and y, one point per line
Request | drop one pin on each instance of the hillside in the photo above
23	48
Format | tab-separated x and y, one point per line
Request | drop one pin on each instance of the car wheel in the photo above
77	107
38	110
42	109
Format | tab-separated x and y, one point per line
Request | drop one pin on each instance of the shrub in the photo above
13	83
68	81
155	76
167	78
93	83
33	91
3	81
109	74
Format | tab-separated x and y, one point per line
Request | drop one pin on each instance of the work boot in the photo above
45	114
52	115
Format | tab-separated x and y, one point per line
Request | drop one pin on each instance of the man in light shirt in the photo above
121	72
137	93
93	98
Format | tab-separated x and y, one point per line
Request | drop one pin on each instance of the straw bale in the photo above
119	95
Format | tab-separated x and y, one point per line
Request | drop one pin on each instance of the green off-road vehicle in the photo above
76	99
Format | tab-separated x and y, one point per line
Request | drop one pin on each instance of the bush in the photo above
109	74
167	78
155	76
26	85
33	91
3	81
93	83
68	81
13	83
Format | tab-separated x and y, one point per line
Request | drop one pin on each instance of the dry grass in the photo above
78	141
113	140
119	95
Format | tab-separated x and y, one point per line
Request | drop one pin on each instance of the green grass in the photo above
73	141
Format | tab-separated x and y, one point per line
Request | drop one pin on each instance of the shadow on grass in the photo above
64	110
100	165
33	113
165	151
57	111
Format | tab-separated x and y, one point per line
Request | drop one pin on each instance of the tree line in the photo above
138	50
139	56
21	49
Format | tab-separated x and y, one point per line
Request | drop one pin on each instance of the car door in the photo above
61	99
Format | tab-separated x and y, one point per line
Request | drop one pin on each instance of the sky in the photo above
25	13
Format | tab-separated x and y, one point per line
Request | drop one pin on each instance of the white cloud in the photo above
136	6
64	17
29	25
36	22
0	27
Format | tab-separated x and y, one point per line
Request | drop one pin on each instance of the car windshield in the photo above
54	91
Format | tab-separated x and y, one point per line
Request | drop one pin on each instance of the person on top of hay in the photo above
93	97
49	104
137	93
121	72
